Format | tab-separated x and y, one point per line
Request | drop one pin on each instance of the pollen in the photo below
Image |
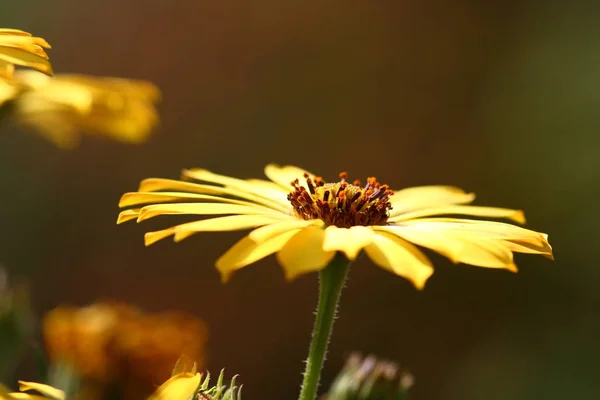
341	204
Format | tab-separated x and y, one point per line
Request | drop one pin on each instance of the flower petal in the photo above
460	247
400	257
19	56
25	396
489	229
267	231
350	241
46	390
155	184
12	31
239	184
201	209
284	176
530	248
247	251
420	197
476	211
31	44
304	253
219	224
179	387
269	186
136	198
128	215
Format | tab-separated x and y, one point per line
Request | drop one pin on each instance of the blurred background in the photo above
497	97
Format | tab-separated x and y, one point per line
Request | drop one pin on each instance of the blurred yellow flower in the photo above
64	106
21	48
179	387
306	221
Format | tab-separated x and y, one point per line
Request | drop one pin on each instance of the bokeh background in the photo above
497	97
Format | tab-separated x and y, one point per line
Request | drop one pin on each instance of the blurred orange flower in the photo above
115	344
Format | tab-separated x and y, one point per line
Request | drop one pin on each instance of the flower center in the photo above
341	204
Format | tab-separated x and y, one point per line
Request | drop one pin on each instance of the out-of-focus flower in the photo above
181	386
370	379
117	345
307	222
64	106
21	48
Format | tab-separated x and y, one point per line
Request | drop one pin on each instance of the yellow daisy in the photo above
21	48
63	106
306	221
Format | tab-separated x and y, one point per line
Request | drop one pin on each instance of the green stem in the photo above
331	282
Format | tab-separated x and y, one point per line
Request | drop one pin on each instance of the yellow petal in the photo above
476	211
304	253
179	387
420	197
267	231
400	257
135	198
25	396
350	241
46	390
201	209
460	247
284	176
530	248
128	215
152	237
6	71
28	43
229	223
239	184
489	229
25	58
155	184
247	251
269	186
10	31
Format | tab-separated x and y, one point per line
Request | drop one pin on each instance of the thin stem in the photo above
331	282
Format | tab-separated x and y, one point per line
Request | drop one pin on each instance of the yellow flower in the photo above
23	49
306	221
179	387
63	106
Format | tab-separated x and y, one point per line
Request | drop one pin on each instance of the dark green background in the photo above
498	97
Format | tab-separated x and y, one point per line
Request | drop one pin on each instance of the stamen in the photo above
341	204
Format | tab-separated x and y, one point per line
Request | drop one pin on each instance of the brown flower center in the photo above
341	204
